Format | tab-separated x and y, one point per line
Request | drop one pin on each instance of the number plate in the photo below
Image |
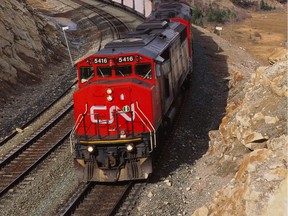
125	59
100	60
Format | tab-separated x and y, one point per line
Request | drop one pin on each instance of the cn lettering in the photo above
94	109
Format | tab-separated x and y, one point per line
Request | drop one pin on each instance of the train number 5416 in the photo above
126	59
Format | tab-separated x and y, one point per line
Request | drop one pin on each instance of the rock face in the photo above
279	54
255	125
28	41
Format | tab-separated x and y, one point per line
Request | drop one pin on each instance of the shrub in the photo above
197	16
244	3
237	2
265	6
219	15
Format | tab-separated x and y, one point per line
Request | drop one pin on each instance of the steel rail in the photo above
122	6
19	178
114	22
121	199
35	137
91	192
14	132
18	165
74	204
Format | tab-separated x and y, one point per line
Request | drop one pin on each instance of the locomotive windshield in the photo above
109	70
104	71
143	70
86	73
125	70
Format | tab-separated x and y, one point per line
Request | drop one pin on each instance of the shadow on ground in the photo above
204	107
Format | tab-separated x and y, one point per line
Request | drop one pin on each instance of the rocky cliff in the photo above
28	42
252	139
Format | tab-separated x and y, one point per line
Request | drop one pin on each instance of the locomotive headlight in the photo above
90	149
109	98
109	91
130	147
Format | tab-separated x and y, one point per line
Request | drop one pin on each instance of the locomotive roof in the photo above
169	10
149	39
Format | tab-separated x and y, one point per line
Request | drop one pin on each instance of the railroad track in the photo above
97	199
31	120
22	161
117	28
129	9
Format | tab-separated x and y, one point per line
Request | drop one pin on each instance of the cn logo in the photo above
94	109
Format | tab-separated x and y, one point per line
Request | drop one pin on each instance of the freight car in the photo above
126	94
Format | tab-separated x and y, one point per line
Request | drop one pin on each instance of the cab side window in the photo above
144	70
86	73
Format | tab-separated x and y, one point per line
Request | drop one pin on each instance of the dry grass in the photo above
260	34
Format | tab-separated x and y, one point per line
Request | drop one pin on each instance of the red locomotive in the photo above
126	90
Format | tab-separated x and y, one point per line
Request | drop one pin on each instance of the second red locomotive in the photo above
126	90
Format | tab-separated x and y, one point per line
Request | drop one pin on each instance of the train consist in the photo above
126	95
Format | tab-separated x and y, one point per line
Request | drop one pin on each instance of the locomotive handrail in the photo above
73	131
155	141
77	123
151	144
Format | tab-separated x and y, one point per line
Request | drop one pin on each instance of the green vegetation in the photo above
197	16
244	3
211	14
236	2
265	6
219	15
